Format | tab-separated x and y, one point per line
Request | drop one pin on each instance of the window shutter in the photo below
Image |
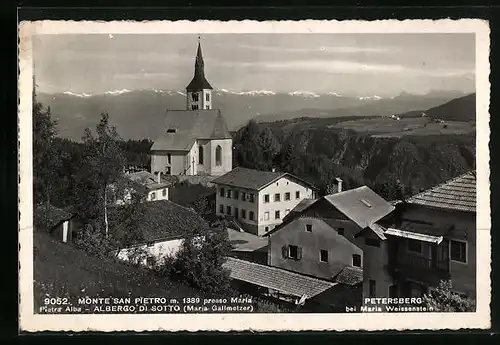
299	253
284	252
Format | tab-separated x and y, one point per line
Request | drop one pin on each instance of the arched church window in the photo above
200	154
218	155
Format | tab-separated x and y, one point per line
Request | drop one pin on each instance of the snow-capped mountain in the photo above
370	98
117	92
307	94
83	95
247	93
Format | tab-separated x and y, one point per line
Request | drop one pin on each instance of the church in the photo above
195	141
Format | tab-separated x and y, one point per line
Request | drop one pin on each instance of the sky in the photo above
348	64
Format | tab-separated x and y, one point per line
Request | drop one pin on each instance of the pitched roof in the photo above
199	82
456	194
361	205
147	179
349	275
163	219
253	179
184	127
286	282
303	204
48	219
246	242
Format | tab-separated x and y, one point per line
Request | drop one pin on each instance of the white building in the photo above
195	141
156	188
259	200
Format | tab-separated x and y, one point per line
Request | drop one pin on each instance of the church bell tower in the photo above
199	90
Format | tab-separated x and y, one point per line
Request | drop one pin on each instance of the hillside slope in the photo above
459	109
62	270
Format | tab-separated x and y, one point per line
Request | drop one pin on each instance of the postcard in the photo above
254	176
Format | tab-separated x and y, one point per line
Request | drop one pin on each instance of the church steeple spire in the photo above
199	81
199	90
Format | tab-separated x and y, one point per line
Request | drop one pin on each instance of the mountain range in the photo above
140	113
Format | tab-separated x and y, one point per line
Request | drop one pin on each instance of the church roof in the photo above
183	127
199	81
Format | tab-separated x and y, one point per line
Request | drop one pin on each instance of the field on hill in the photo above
416	126
61	270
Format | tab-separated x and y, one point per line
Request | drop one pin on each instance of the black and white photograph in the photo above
293	178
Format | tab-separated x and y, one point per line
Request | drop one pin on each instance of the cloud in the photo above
350	67
318	48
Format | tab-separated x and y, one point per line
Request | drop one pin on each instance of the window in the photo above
207	97
228	210
277	215
266	229
458	251
169	158
236	195
200	154
194	107
266	215
171	130
277	197
356	260
372	242
266	198
250	215
243	214
309	227
287	196
340	231
236	212
243	196
414	246
222	192
228	194
207	107
323	255
153	196
252	198
372	287
164	191
194	97
293	252
218	155
297	195
221	208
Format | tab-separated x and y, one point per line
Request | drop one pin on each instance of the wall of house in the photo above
226	159
463	275
250	225
158	250
322	237
64	230
281	187
159	194
159	162
375	266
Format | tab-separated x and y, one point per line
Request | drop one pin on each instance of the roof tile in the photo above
286	282
456	194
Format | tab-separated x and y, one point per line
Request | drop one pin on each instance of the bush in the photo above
444	300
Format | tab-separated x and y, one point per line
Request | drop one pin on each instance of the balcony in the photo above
420	268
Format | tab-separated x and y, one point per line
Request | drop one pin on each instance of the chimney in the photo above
339	184
273	169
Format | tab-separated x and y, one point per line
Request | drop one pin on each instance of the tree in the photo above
442	299
103	167
46	159
256	147
199	262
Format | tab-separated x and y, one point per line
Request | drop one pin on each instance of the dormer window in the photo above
366	203
171	130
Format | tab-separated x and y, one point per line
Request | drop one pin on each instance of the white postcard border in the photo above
31	322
